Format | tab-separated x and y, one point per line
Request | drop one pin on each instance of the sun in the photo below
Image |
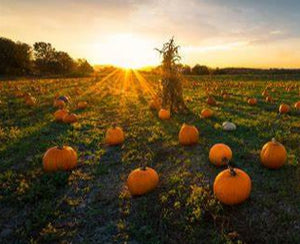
127	51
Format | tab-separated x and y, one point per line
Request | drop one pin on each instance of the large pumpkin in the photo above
114	136
142	180
60	114
273	154
70	118
59	158
206	113
220	154
164	114
232	186
284	108
188	135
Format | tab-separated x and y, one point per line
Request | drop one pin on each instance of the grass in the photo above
92	204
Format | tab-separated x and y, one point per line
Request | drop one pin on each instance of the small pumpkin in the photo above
188	135
211	101
59	103
269	99
114	136
232	186
59	158
228	126
273	154
297	105
70	118
142	180
206	113
164	114
30	101
220	154
284	108
252	101
82	105
60	114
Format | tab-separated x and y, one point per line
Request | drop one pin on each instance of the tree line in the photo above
41	59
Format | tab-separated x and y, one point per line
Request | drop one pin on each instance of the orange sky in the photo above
125	32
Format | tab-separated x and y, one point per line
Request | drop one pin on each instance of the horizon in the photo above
237	34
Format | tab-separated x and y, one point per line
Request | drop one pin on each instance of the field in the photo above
92	204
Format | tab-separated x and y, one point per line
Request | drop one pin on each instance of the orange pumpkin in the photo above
82	105
269	99
284	108
164	114
211	101
142	180
60	114
188	135
114	136
220	154
297	105
59	103
59	158
232	186
265	93
207	113
30	101
273	154
252	101
70	118
226	96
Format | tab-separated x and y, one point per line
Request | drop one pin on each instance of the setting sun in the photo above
126	51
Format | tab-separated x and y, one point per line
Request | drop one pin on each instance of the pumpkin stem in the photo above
114	124
232	171
143	167
274	140
60	146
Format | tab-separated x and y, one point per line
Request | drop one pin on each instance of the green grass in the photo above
92	204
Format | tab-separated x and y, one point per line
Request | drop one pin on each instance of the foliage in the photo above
18	59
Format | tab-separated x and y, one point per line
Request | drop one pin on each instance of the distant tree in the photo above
186	70
15	58
83	67
172	96
44	55
200	70
63	63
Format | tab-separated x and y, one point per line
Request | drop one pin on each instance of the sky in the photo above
217	33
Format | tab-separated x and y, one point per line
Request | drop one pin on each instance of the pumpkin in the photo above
297	105
70	118
211	101
269	99
114	136
284	108
30	101
58	104
232	186
228	126
142	180
273	154
220	154
164	114
63	98
265	93
252	101
82	105
207	113
59	158
60	114
188	135
226	96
